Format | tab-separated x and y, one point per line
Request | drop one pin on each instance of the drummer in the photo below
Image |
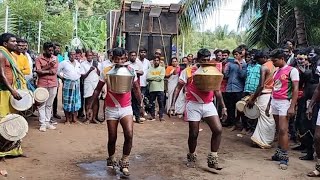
8	82
200	106
264	133
118	110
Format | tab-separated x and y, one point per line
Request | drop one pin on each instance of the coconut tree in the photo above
261	15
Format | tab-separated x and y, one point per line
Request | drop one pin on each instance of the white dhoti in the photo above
264	133
89	87
180	103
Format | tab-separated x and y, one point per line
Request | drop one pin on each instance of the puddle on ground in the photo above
99	170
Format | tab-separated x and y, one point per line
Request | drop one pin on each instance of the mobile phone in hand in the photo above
95	63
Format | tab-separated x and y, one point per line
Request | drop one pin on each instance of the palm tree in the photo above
261	15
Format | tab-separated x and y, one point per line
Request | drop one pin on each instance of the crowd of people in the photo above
283	84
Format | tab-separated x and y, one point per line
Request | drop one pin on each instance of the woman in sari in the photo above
172	74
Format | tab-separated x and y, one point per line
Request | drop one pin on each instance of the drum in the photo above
240	105
23	104
252	113
13	128
40	95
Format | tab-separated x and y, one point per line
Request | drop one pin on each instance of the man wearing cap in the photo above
46	68
158	54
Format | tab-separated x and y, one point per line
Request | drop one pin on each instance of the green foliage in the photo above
92	32
221	38
58	28
29	9
104	6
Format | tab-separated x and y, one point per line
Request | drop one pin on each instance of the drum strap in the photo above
16	72
30	86
114	100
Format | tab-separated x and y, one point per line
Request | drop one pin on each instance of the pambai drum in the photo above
40	95
119	79
207	77
13	128
240	105
23	104
252	113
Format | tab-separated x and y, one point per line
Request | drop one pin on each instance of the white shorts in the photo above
196	111
280	107
117	113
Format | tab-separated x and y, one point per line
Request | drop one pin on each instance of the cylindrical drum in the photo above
23	104
13	128
252	113
242	103
40	95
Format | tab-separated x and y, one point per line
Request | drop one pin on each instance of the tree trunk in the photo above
300	28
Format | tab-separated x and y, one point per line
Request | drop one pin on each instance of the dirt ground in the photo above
159	153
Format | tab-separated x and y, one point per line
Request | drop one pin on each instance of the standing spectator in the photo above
156	79
190	59
80	59
158	54
137	66
22	54
218	54
21	60
24	46
90	76
46	68
143	78
307	86
283	103
70	72
236	73
57	53
172	73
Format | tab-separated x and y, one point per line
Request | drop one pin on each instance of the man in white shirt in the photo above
143	78
70	72
90	74
137	65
